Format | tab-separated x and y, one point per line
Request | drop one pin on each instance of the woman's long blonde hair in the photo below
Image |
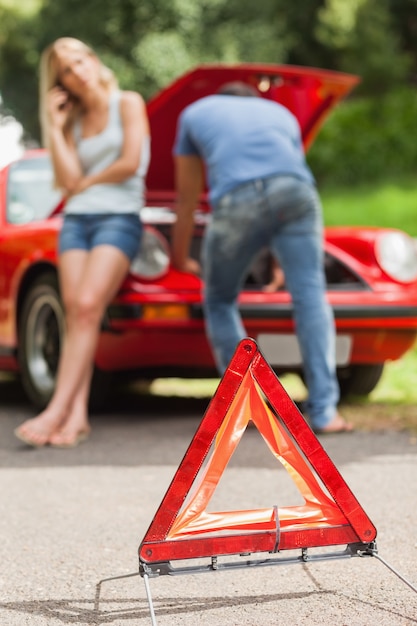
49	78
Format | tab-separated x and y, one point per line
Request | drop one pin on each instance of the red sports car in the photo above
155	326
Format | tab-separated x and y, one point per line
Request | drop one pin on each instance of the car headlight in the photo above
153	258
396	253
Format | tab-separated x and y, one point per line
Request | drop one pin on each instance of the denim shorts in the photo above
84	232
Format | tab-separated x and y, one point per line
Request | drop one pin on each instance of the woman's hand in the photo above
82	184
58	106
192	266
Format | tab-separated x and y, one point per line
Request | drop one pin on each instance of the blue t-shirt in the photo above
241	139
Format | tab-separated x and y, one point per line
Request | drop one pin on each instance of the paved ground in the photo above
71	518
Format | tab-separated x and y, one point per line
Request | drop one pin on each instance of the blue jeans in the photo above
284	214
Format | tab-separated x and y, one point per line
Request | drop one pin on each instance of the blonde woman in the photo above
98	139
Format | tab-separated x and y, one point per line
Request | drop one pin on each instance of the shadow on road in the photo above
84	611
122	400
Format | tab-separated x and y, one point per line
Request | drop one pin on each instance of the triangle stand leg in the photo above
372	551
150	602
145	577
105	580
143	573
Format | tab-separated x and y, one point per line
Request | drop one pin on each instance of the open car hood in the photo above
309	93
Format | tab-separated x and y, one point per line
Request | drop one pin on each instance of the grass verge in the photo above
392	405
391	204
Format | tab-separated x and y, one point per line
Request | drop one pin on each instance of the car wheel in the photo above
41	331
359	380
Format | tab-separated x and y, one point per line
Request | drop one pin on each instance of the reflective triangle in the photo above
183	527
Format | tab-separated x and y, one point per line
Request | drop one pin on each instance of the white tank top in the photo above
98	152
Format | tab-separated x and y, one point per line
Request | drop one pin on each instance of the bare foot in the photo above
70	435
337	425
36	432
278	280
62	439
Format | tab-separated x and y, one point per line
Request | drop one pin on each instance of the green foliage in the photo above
368	139
397	384
18	64
404	22
337	21
151	42
362	36
27	8
374	49
162	57
301	20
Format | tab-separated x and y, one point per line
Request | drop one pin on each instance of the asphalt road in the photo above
70	518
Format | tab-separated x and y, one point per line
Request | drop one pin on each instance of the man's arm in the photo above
189	180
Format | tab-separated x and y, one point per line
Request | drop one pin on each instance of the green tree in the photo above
404	19
302	21
148	43
364	41
18	64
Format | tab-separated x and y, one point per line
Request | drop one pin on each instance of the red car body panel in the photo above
376	316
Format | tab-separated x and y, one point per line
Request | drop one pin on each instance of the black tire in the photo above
359	380
41	331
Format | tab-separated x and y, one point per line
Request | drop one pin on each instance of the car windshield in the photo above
30	192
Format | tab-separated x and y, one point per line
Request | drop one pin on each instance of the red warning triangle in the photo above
183	528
